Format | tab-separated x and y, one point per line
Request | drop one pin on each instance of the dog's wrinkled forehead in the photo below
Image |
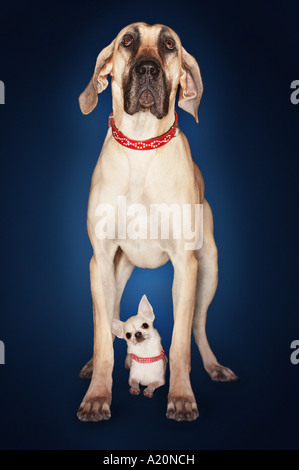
142	39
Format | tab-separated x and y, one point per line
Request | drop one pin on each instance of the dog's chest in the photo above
140	195
148	177
140	187
146	374
139	176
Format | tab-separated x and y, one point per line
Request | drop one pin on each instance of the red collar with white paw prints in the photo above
149	144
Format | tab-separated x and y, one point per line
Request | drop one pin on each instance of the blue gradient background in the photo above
246	144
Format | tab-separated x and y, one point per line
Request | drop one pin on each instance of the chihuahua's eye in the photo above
169	43
128	335
144	325
128	39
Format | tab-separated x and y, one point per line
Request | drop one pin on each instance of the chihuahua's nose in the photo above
138	335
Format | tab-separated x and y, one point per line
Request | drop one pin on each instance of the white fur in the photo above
142	373
147	373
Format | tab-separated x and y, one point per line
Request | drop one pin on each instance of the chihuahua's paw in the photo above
221	374
148	392
181	409
86	371
94	409
134	386
134	390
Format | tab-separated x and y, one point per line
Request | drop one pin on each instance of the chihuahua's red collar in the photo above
149	144
147	360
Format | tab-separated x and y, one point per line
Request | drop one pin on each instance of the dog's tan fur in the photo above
165	175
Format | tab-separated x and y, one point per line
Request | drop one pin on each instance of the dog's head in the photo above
146	63
138	328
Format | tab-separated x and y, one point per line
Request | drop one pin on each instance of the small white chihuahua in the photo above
145	359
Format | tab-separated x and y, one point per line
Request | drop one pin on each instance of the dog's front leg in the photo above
96	403
134	387
181	401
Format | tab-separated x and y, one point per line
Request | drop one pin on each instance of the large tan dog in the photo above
147	64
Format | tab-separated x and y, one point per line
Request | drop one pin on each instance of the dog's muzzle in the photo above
148	72
145	88
139	337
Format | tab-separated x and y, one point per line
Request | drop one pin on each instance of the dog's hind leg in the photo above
206	287
123	269
128	361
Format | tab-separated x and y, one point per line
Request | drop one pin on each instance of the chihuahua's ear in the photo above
99	82
190	85
145	309
117	328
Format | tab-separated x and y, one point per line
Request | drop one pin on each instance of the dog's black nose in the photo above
138	335
147	68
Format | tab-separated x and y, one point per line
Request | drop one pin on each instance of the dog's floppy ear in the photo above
99	82
145	309
190	85
117	328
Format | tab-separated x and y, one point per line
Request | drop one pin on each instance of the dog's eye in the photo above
128	335
128	39
144	325
169	43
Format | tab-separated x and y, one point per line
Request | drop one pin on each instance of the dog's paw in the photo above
134	390
86	371
148	392
220	373
94	409
181	409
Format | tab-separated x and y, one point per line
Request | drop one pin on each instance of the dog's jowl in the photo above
146	159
